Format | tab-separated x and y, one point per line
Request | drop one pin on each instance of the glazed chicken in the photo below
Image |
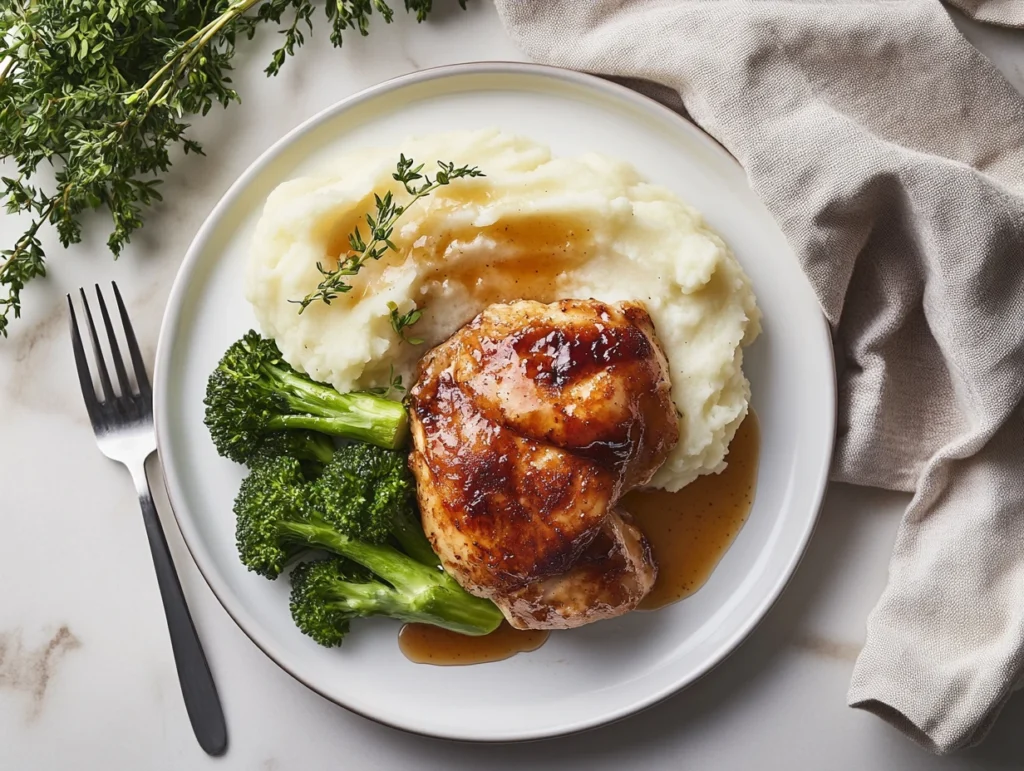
528	426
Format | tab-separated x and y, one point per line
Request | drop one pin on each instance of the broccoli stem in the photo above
455	609
361	416
421	593
385	561
308	392
410	536
320	451
434	605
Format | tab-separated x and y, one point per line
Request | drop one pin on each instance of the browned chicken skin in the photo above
528	425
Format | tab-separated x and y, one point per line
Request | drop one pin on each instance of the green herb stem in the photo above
26	238
192	46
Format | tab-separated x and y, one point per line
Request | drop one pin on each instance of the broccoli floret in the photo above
277	518
369	493
304	445
327	594
326	624
271	496
254	393
364	489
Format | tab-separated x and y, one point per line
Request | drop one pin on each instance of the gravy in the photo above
426	644
530	257
691	529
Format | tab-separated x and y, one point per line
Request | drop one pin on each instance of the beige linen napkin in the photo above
891	153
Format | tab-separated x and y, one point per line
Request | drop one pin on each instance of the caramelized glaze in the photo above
690	530
425	644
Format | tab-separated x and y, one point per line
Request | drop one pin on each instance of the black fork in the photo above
123	424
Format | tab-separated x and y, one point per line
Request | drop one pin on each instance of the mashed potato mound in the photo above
536	227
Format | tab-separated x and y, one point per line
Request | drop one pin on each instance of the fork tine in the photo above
133	345
115	349
84	376
101	364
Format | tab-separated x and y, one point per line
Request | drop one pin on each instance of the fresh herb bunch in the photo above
100	90
382	227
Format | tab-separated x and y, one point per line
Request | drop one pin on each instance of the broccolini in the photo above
253	393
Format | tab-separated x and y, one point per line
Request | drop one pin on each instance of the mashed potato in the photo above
535	227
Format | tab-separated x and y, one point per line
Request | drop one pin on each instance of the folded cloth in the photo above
891	153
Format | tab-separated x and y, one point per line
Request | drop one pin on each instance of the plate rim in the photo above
178	294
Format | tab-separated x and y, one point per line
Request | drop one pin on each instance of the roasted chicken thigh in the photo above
528	425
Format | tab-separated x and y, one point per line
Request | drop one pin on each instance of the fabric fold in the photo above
891	153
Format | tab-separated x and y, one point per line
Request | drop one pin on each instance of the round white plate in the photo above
585	677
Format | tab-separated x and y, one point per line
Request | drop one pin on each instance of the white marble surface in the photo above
86	676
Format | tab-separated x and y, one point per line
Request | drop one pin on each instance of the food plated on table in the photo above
569	333
498	385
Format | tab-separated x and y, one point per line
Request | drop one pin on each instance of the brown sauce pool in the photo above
690	530
426	644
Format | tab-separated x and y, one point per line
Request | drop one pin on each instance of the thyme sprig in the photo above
400	322
394	385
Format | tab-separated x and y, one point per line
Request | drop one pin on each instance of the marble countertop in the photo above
86	675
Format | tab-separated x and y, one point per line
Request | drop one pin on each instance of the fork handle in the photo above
197	687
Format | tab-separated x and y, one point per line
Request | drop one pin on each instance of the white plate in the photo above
582	678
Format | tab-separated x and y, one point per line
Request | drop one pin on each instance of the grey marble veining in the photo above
30	670
86	676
